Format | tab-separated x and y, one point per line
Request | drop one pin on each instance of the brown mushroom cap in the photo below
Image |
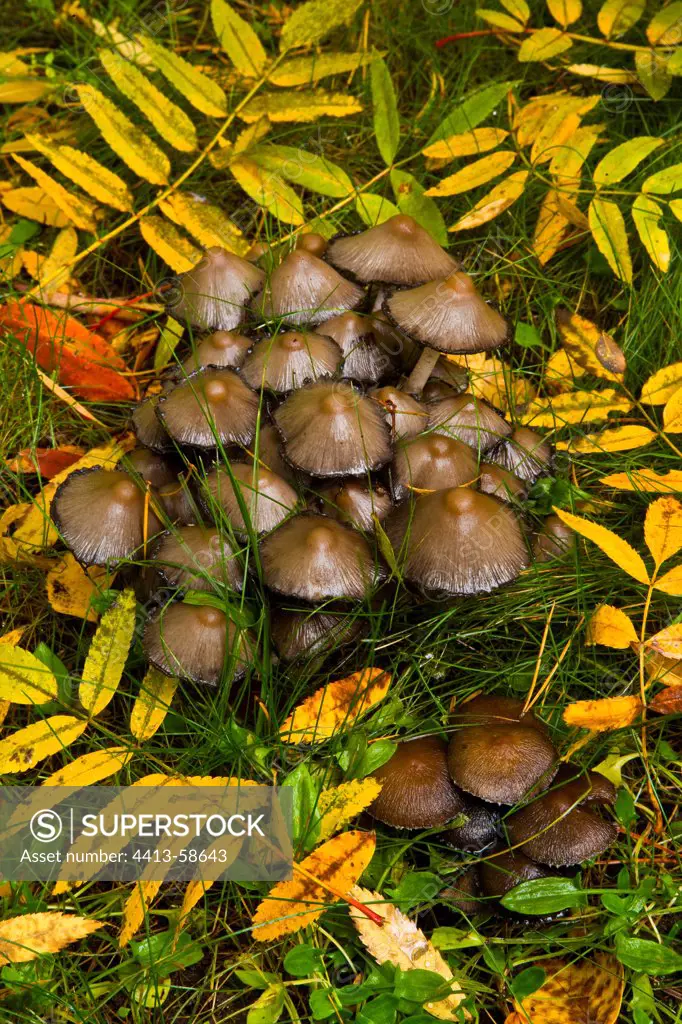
432	462
197	558
291	359
464	891
399	251
178	502
313	558
447	315
196	642
479	830
329	429
209	408
502	873
501	483
524	453
356	503
312	242
304	289
308	632
458	541
495	709
148	428
448	372
554	540
416	791
103	516
267	497
268	443
222	348
367	357
152	467
404	414
216	291
469	420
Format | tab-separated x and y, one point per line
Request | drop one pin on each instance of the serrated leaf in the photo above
170	121
613	76
34	204
479	140
27	747
174	249
301	107
609	232
672	414
209	225
622	160
136	907
664	27
28	936
23	678
107	655
603	715
91	176
199	90
303	168
386	117
474	174
671	582
581	339
24	90
615	17
543	44
128	141
469	113
308	70
660	387
576	407
412	199
152	704
91	768
646	214
620	439
664	182
668	642
663	529
80	211
499	199
373	209
338	806
551	227
238	40
653	73
611	627
268	190
54	269
518	8
315	19
565	11
617	549
336	706
648	481
499	20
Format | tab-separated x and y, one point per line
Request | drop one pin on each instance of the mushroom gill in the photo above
524	453
468	419
367	357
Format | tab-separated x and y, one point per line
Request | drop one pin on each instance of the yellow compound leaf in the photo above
474	174
645	480
294	904
565	11
128	141
654	73
555	136
617	549
170	121
26	937
299	106
550	229
91	176
27	747
91	768
664	27
662	385
668	642
616	16
24	90
107	654
609	232
196	87
152	704
238	40
268	190
496	202
646	214
71	588
136	907
54	270
34	203
174	249
193	893
543	44
338	806
588	991
250	136
672	414
663	529
400	942
311	21
620	439
576	407
623	159
610	627
518	8
664	182
603	715
671	582
499	20
209	225
308	70
478	140
614	76
77	209
23	678
373	209
336	706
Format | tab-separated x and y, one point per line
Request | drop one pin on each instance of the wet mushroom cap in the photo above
197	558
501	483
314	558
495	709
366	356
356	503
291	359
304	289
503	872
524	453
432	462
329	429
479	830
222	348
209	408
457	541
148	428
308	632
468	419
216	291
554	540
501	763
103	515
464	891
269	445
416	791
312	242
268	498
178	503
196	642
399	251
152	467
404	414
447	315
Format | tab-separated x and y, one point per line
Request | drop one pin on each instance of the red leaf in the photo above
45	461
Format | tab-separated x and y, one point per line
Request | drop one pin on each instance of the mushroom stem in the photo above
422	371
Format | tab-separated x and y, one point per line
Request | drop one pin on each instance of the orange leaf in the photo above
603	715
668	642
667	702
663	528
610	627
335	706
662	670
584	992
45	461
617	549
671	582
645	480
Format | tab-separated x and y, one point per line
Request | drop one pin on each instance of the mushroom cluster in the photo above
314	420
496	789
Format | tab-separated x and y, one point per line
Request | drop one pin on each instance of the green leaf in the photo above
416	887
268	1007
543	896
314	20
410	197
382	1010
474	109
617	16
647	956
376	754
664	27
171	333
664	182
254	978
527	336
653	73
609	232
303	168
386	119
544	44
24	679
418	985
305	791
622	160
238	40
302	961
374	209
107	654
527	982
308	70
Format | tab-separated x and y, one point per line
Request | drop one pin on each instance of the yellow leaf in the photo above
603	715
534	117
251	136
135	908
565	11
576	407
647	213
675	206
645	480
663	529
238	40
400	942
620	439
494	381
668	642
128	141
13	637
479	140
664	27
672	413
174	249
193	893
608	230
613	76
518	8
499	20
293	904
80	211
610	627
580	337
550	229
170	121
308	70
338	806
496	202
653	72
336	706
197	88
54	270
474	174
664	182
35	204
90	175
11	263
616	16
268	190
24	90
663	670
555	136
107	654
91	768
27	747
671	582
299	106
152	704
374	209
585	991
662	385
543	44
28	936
622	160
311	21
23	678
209	225
71	588
617	549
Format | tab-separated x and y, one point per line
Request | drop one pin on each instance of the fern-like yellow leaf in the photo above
299	106
152	704
575	407
662	385
91	768
664	27
55	269
238	40
25	937
613	76
672	414
620	439
174	249
551	227
199	90
617	549
34	204
648	481
128	141
91	176
565	11
609	232
268	190
646	214
79	210
339	805
474	174
313	20
23	678
308	70
478	140
107	655
622	160
615	17
27	747
136	907
209	225
543	44
494	203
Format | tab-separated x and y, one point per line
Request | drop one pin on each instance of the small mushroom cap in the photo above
501	483
458	542
152	467
267	497
586	787
148	428
356	503
448	315
290	360
464	891
432	462
416	791
222	348
178	502
367	346
209	408
404	414
197	558
269	444
502	873
197	643
308	632
313	558
501	763
554	540
468	419
479	830
312	242
216	291
304	289
399	251
103	515
524	453
329	429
